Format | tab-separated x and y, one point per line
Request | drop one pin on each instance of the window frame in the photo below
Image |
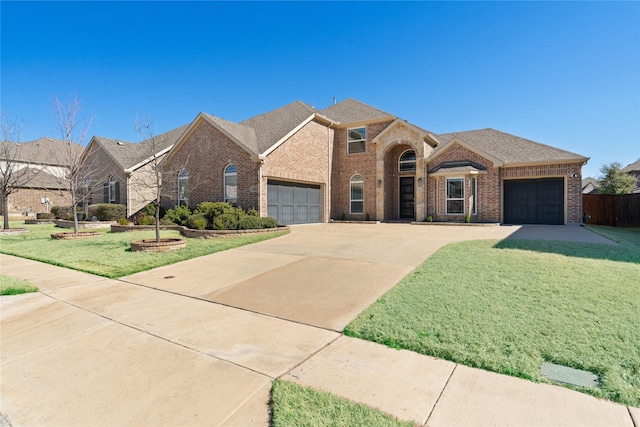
474	194
356	179
407	162
454	199
183	176
227	175
362	140
113	197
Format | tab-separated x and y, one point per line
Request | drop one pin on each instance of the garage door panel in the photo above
534	201
293	203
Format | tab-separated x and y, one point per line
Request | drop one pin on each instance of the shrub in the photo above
269	222
146	220
108	212
249	222
213	210
253	212
178	215
227	221
196	221
367	217
45	215
123	221
63	212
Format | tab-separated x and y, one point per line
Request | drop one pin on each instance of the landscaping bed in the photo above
197	234
70	235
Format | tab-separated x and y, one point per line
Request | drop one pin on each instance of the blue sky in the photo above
565	74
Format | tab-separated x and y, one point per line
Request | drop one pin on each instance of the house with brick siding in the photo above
121	172
41	186
353	161
633	169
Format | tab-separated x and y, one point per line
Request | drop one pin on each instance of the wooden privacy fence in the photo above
614	210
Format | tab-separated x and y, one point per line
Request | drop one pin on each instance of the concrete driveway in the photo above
199	342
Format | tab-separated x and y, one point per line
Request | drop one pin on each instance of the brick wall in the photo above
100	168
206	153
304	157
29	198
346	165
489	192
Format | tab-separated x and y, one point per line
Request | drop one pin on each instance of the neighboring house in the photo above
121	172
590	185
354	161
44	186
634	170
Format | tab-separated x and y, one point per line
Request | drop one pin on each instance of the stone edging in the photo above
70	235
165	245
39	221
197	234
63	223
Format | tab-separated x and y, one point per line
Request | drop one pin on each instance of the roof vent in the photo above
120	143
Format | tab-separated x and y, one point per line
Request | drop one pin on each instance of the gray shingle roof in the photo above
635	166
40	179
351	111
42	151
128	154
507	148
245	134
271	127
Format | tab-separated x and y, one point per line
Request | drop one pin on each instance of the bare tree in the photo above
74	131
15	172
149	186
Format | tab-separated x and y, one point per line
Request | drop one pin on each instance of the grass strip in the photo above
294	405
14	286
110	255
508	306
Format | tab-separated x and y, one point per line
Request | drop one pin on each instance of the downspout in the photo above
129	195
327	208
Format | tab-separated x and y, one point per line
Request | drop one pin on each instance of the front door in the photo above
407	198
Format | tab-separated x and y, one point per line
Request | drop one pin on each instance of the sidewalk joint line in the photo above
440	395
302	361
633	421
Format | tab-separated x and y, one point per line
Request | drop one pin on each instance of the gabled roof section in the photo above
423	133
505	149
456	167
353	111
123	153
245	135
42	151
633	167
272	127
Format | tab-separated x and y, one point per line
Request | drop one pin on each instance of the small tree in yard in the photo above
14	173
614	180
73	132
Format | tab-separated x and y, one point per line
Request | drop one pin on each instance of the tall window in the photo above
183	187
455	195
356	139
474	195
231	184
357	194
113	191
407	161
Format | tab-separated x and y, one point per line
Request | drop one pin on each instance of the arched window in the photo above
231	184
407	161
183	187
356	198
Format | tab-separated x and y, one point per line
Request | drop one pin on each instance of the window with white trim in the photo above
183	187
356	140
231	184
455	196
407	161
474	195
113	196
356	195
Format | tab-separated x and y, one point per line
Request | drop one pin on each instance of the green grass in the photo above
110	255
294	405
508	306
14	286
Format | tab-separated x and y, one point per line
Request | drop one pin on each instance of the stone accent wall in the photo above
489	189
572	174
346	165
305	157
206	153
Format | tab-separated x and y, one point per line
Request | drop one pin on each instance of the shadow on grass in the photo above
623	252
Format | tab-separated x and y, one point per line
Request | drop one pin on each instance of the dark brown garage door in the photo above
293	203
534	201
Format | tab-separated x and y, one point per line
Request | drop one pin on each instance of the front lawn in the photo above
508	306
294	405
14	286
109	255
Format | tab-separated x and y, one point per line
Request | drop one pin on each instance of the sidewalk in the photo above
88	350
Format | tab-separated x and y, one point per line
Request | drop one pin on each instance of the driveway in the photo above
199	342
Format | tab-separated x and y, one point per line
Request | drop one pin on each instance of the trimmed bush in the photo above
178	215
227	221
63	212
253	212
108	212
196	221
146	220
269	222
45	215
213	210
249	222
123	221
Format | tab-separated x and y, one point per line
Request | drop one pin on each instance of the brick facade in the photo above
101	168
30	198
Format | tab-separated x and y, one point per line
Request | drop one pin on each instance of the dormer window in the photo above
356	139
407	161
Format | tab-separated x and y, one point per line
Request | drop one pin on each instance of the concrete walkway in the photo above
199	342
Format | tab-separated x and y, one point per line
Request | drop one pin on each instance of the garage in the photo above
534	201
293	203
